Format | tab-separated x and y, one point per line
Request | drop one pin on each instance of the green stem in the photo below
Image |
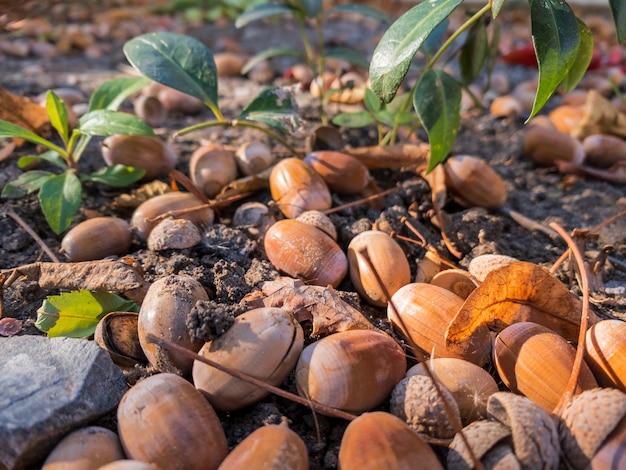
216	111
69	155
240	123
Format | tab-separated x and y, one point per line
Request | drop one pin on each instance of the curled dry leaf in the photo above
142	194
321	305
517	292
600	117
23	112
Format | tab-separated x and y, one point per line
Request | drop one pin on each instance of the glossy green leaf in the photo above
359	9
274	107
51	157
386	117
556	40
371	101
312	8
111	94
496	7
177	61
437	100
105	122
394	53
8	130
60	198
263	10
583	59
268	54
435	39
26	183
618	9
353	120
57	113
474	53
116	175
76	314
349	55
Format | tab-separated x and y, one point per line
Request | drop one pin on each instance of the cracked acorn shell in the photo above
534	361
296	188
164	420
379	440
422	312
117	334
302	251
164	313
474	182
264	343
97	238
211	168
353	370
386	258
605	352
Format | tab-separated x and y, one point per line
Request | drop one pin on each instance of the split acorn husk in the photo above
117	333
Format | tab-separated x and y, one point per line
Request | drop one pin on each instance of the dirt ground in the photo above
229	262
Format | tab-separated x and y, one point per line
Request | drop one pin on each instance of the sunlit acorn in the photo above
296	188
140	151
353	370
603	151
229	64
117	334
165	421
566	117
605	352
150	109
544	145
378	266
177	101
320	221
343	173
211	168
474	182
97	238
253	158
505	106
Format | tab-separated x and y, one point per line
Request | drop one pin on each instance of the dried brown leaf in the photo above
616	174
409	156
321	305
519	292
600	117
142	194
24	113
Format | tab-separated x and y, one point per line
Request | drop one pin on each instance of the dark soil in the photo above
230	263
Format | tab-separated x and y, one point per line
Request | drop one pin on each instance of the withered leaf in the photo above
616	174
321	305
409	156
142	194
24	113
518	292
600	116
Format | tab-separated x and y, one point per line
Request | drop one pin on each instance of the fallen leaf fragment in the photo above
142	194
518	292
321	305
24	113
616	174
600	117
409	156
10	326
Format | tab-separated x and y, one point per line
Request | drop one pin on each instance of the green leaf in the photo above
8	130
349	55
473	53
371	101
60	198
274	107
359	9
405	118
618	9
76	314
111	94
437	100
268	54
116	175
57	112
496	7
386	117
353	120
176	60
49	156
264	10
556	40
105	122
26	183
434	39
312	8
394	53
583	59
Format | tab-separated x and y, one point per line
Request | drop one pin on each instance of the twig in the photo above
32	233
361	201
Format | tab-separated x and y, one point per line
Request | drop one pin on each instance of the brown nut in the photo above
229	64
300	250
603	151
164	314
150	109
422	313
349	88
117	333
343	173
605	352
127	464
140	151
376	251
97	238
353	370
457	281
164	420
566	117
174	234
211	168
177	101
505	106
146	216
320	221
253	158
379	440
264	343
543	146
296	188
474	182
537	362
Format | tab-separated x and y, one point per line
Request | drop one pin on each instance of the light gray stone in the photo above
48	387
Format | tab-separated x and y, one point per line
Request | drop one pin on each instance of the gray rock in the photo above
48	387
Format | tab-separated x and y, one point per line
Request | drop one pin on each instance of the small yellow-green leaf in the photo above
57	112
111	94
76	314
105	122
353	120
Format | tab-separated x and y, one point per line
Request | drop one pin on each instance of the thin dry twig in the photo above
32	233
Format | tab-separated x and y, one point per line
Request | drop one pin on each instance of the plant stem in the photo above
216	111
240	123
